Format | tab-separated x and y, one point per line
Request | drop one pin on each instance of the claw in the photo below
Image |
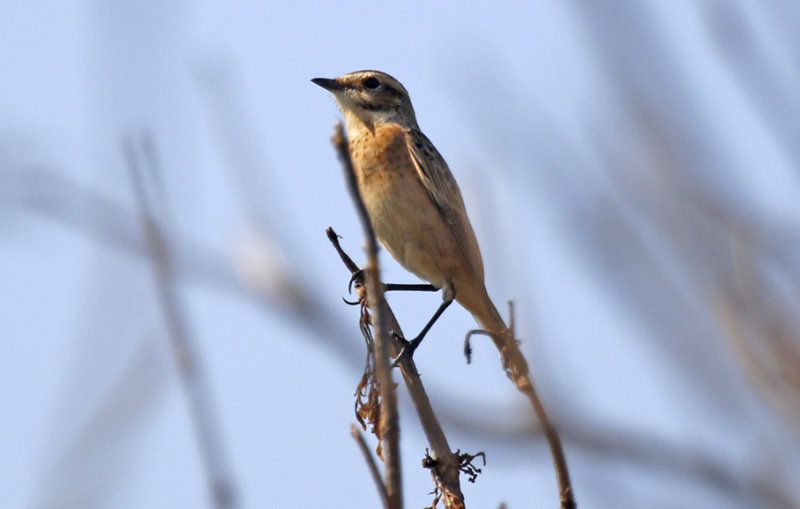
408	348
358	276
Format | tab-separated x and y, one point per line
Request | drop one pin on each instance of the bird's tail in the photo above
487	315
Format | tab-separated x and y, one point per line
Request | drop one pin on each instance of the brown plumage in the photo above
411	197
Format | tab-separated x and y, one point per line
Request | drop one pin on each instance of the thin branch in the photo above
373	467
140	159
556	450
516	368
389	421
446	462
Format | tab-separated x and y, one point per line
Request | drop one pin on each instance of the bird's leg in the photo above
410	346
358	278
395	287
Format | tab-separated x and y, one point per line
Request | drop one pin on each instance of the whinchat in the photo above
411	197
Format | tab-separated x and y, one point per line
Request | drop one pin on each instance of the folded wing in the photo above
444	193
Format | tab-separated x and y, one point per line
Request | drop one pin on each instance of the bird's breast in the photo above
405	219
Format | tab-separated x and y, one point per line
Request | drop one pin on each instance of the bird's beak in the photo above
328	84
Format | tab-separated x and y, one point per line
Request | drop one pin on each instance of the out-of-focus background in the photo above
631	170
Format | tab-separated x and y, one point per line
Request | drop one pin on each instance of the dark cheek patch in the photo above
371	106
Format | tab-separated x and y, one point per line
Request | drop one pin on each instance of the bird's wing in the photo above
444	192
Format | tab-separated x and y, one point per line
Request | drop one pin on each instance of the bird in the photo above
411	197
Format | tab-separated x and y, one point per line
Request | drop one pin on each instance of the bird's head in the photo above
370	97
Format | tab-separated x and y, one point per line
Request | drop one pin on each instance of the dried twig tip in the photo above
466	466
468	346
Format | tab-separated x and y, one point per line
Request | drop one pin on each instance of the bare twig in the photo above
389	422
141	158
516	367
445	464
373	467
556	450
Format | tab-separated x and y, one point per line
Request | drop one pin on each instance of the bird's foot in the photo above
407	349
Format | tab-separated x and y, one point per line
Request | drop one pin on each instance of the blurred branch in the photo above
113	225
143	167
763	328
108	222
741	270
83	475
270	254
648	451
241	143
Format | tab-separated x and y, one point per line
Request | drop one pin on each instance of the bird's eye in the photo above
372	83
